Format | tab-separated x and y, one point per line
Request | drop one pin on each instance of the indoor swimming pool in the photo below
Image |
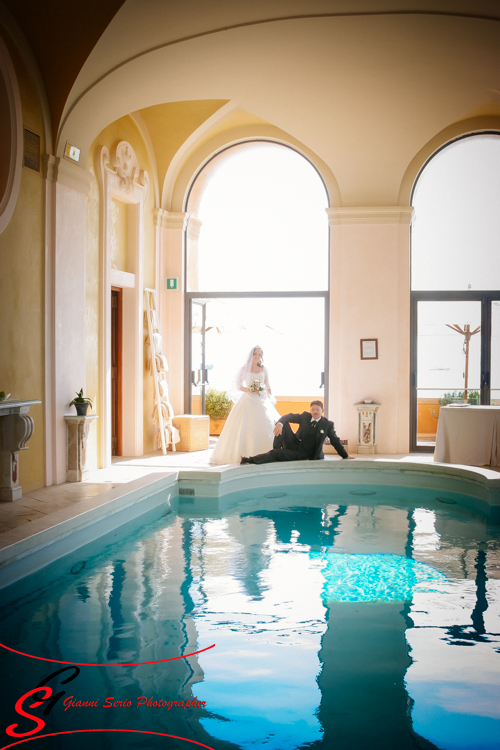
340	617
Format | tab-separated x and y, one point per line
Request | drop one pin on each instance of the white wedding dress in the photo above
250	424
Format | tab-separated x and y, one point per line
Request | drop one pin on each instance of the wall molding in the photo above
122	279
65	173
370	215
170	219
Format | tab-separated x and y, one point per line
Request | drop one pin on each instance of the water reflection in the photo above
335	626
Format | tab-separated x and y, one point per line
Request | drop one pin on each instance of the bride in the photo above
250	424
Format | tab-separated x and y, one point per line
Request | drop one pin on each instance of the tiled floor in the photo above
42	502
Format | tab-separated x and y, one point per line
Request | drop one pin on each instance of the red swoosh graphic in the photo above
76	731
84	664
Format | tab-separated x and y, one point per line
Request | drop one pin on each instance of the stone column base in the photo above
10	489
367	448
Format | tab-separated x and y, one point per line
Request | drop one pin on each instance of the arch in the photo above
31	64
177	187
471	126
260	171
257	164
188	147
136	117
456	207
12	146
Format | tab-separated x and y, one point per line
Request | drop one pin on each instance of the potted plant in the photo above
81	403
457	397
217	406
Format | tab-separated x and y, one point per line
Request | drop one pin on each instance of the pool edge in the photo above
28	548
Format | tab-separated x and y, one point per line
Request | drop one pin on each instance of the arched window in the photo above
258	271
455	281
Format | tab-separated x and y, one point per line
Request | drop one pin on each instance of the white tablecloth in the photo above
468	435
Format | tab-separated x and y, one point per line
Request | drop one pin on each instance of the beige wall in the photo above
21	290
120	235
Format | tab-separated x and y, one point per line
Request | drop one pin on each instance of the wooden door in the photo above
116	371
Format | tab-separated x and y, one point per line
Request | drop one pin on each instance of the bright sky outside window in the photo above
264	226
456	230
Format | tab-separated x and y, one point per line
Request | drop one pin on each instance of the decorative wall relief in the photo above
125	168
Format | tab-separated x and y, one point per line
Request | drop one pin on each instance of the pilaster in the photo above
370	298
66	190
171	226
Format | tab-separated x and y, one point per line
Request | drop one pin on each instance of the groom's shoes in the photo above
246	460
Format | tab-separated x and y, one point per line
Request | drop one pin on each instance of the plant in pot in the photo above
473	398
217	406
455	397
81	403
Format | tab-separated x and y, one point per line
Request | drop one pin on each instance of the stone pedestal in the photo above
78	431
194	432
16	428
367	427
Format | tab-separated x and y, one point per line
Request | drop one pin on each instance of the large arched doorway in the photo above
455	282
257	273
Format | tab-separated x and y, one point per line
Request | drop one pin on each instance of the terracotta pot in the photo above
216	426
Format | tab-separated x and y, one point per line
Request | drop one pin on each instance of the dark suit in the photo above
307	443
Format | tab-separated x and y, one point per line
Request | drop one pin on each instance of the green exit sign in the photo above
172	283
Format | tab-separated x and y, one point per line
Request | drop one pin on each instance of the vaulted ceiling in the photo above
364	84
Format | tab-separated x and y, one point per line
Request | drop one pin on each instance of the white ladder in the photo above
159	372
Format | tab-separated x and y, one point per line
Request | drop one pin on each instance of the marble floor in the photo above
46	500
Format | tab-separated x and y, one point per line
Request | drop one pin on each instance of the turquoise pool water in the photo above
339	620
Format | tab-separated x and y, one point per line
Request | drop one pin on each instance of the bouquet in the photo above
256	386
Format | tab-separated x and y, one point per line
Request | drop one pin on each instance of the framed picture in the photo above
369	348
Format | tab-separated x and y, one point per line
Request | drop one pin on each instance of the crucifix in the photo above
466	331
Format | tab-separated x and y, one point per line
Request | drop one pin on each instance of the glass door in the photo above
494	384
291	330
199	380
448	361
455	357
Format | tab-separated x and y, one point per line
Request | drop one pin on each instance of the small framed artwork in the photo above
369	348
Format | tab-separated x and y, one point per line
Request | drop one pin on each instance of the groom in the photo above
306	444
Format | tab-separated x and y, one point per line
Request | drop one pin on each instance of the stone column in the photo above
78	431
16	428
